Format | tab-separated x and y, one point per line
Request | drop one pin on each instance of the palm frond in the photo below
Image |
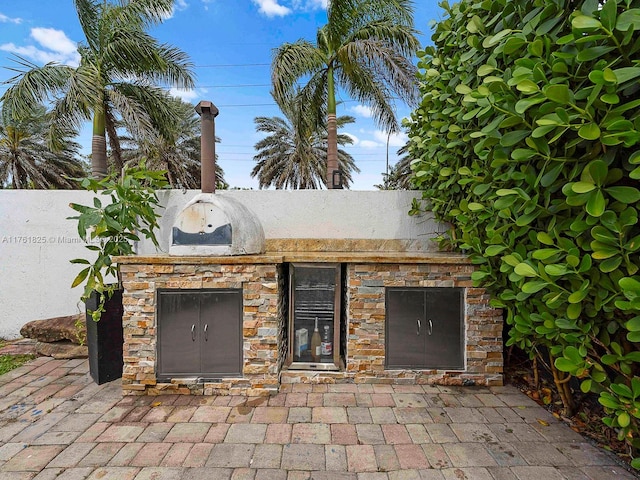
135	54
292	61
343	120
381	62
144	109
313	98
135	118
401	38
84	90
361	82
177	150
347	16
117	50
25	159
293	154
149	12
33	84
80	99
88	15
401	175
176	68
64	124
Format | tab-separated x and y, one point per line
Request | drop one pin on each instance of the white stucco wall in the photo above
37	241
36	244
316	214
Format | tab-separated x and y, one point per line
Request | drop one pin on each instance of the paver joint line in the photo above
55	422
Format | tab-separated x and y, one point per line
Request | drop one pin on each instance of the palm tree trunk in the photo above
332	130
20	179
114	143
99	146
170	176
15	176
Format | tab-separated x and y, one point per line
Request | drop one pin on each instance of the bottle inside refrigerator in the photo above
314	316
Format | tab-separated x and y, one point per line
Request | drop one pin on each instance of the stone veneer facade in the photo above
260	324
265	319
365	362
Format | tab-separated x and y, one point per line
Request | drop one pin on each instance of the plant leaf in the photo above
559	93
628	19
629	195
525	270
584	23
590	131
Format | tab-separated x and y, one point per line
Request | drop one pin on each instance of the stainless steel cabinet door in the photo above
199	333
221	330
424	328
444	333
405	329
178	333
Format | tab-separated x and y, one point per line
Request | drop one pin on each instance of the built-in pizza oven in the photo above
211	224
200	329
228	318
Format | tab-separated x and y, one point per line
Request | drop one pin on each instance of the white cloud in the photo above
189	96
395	140
319	4
206	4
355	139
309	4
362	111
370	144
271	8
29	52
54	40
178	6
5	19
56	47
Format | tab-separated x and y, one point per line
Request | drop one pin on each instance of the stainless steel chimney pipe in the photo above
208	112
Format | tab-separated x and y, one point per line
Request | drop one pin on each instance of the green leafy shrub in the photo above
112	228
527	141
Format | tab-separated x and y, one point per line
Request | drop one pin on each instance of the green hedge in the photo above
527	141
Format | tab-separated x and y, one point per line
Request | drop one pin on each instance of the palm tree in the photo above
400	175
293	153
120	68
177	150
366	48
25	159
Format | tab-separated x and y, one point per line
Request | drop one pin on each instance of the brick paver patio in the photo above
56	423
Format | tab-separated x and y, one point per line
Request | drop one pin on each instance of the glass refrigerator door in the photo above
314	329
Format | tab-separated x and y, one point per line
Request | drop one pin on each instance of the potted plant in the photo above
122	210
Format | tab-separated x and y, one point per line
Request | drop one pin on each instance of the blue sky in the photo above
231	43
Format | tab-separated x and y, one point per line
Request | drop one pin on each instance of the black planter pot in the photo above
105	339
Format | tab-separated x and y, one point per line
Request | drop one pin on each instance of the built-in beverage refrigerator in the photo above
314	316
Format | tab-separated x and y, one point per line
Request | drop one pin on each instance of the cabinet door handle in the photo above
418	330
430	327
193	333
206	334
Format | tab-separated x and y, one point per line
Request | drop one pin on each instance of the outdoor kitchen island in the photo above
403	317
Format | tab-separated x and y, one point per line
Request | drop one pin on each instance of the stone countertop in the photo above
301	257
